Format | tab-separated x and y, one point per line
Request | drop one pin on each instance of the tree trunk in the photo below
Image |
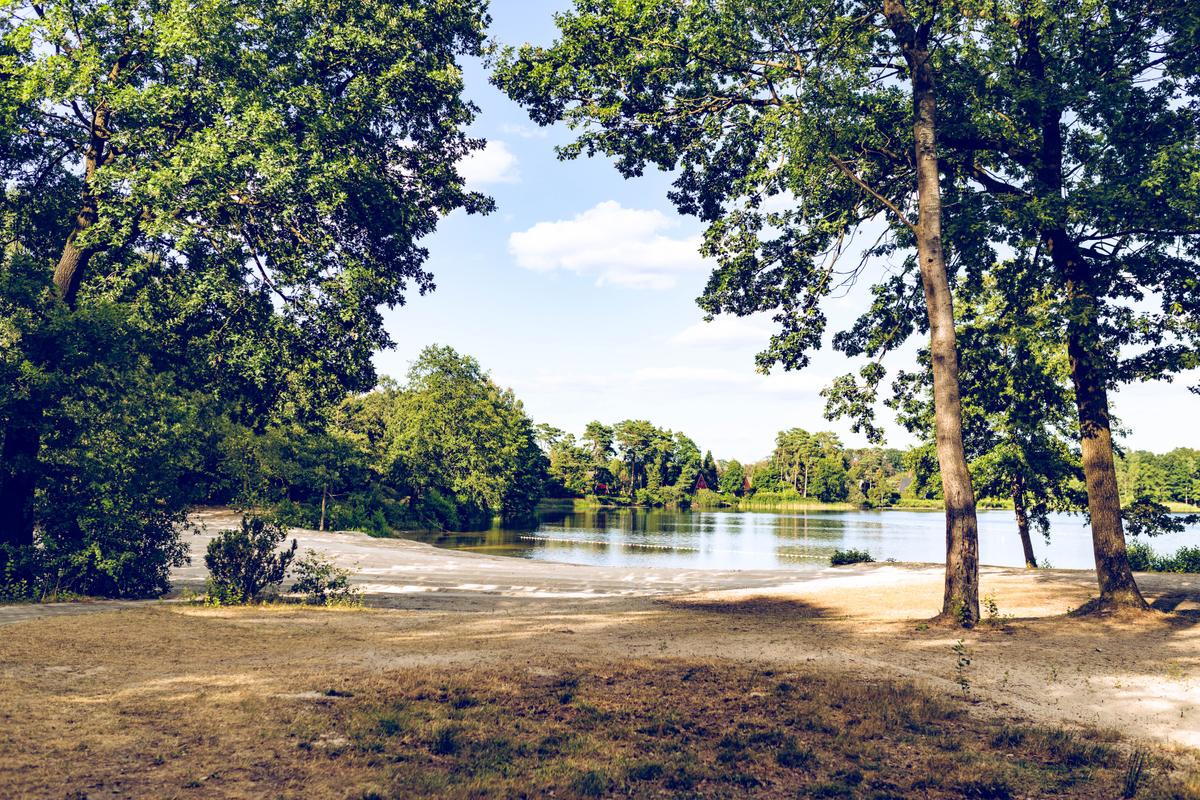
1117	586
1118	589
1018	496
960	603
324	494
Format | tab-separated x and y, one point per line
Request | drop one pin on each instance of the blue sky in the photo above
579	293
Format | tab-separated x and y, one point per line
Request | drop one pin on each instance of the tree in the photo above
635	439
687	457
829	480
570	468
708	469
797	453
1072	133
453	432
1017	412
737	97
733	478
872	474
236	160
599	439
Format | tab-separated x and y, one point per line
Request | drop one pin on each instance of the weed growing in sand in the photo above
1134	772
961	665
992	615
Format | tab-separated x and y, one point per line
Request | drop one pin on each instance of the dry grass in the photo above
307	703
697	730
251	703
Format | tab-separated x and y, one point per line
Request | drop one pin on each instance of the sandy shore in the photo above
429	606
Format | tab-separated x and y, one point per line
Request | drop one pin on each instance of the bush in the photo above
245	564
1143	558
707	498
841	557
322	582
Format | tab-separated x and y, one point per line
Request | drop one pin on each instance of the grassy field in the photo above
189	702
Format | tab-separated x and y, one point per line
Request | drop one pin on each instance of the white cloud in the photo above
726	330
778	203
524	131
622	246
495	163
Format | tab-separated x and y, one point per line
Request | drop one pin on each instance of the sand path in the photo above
1141	676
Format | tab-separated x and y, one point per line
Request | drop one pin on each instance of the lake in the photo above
766	540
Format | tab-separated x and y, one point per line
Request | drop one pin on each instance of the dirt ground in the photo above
110	672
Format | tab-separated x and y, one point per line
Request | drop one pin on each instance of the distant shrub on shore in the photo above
842	557
323	583
1142	558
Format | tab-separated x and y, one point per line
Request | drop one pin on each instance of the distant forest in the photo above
449	449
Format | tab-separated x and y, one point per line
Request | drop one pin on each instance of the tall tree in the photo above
289	154
453	431
1017	412
1074	129
739	97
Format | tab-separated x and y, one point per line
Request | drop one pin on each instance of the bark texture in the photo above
961	599
1113	573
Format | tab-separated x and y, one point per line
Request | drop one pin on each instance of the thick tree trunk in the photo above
1113	573
961	599
1018	496
1117	586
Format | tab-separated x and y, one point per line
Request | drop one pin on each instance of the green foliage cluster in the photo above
632	460
851	556
637	462
447	450
120	439
203	208
322	582
246	565
1019	427
1172	477
1142	557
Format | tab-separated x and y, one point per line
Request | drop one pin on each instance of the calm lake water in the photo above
765	540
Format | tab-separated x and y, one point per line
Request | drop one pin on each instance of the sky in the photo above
579	293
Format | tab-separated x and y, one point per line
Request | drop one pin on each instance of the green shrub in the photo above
1143	558
841	557
244	565
322	582
707	498
1186	559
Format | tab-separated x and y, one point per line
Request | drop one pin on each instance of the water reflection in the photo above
763	540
